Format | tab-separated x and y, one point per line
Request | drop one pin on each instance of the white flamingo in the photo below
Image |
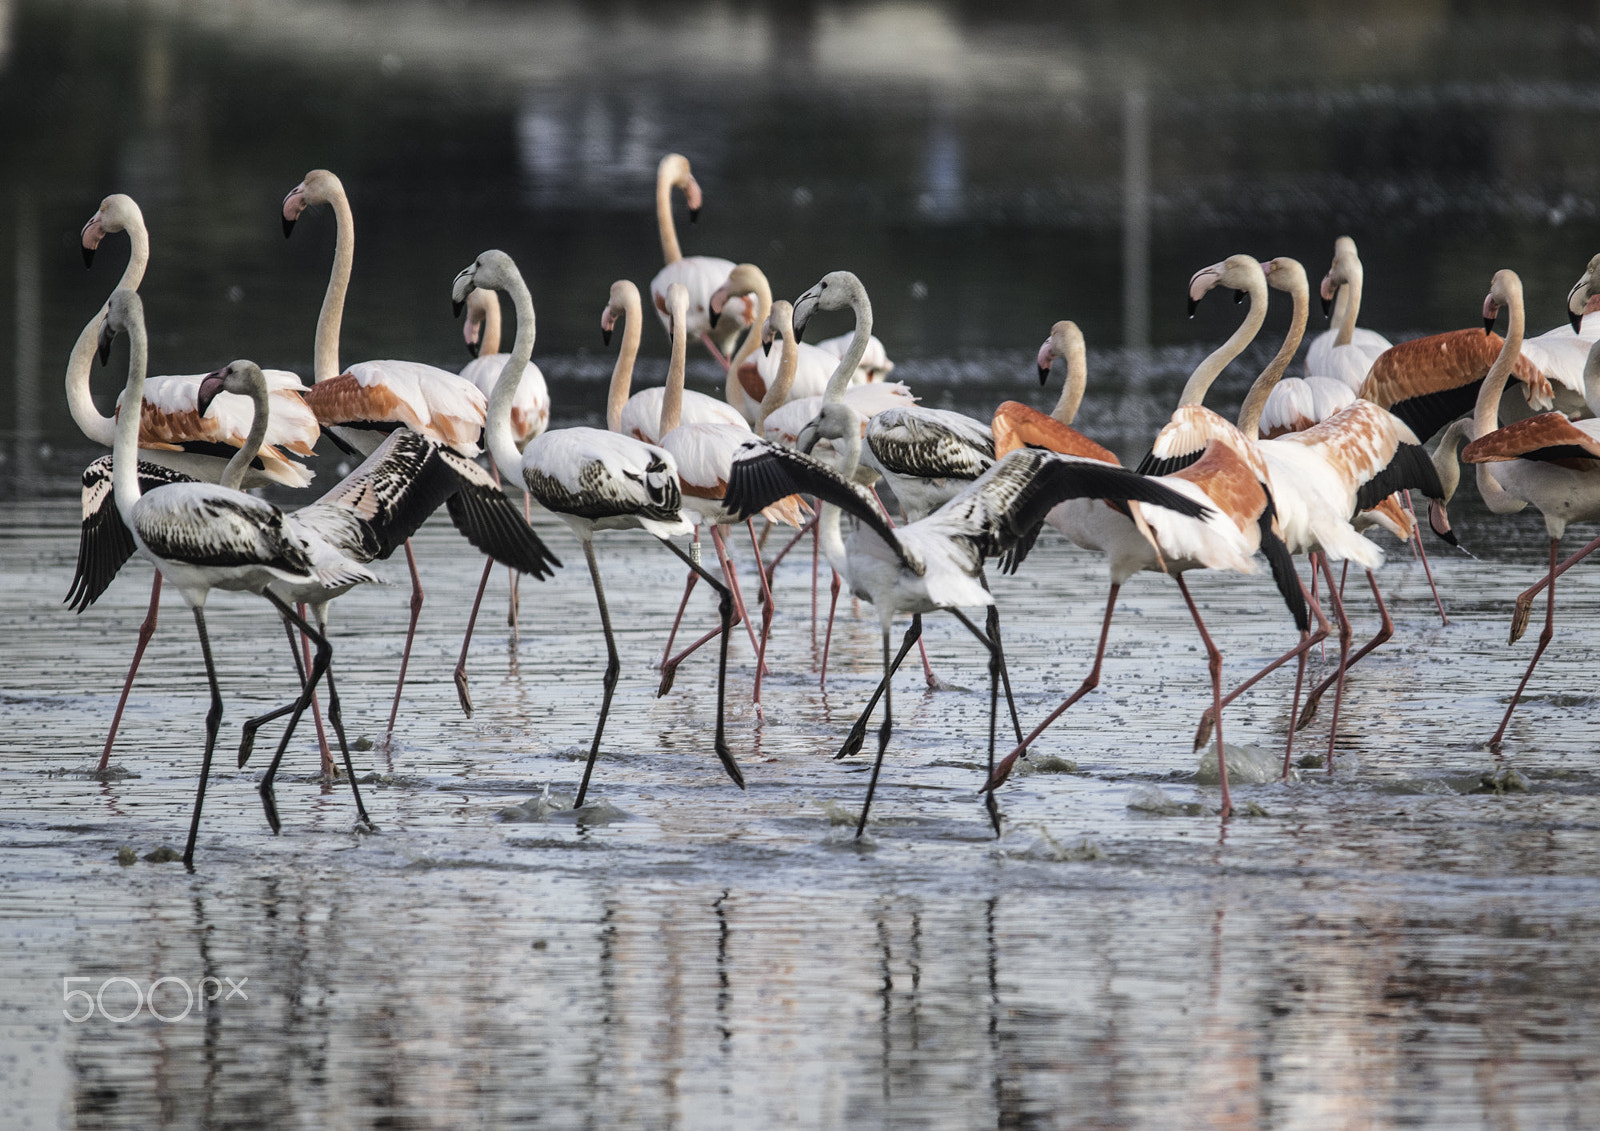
360	403
700	274
203	537
595	480
177	442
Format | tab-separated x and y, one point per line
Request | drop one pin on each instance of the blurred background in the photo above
986	169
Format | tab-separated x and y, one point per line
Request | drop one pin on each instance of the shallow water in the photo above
1391	945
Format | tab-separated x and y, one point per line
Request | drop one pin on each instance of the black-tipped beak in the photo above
1488	326
800	333
1238	297
1439	520
456	306
88	259
288	227
694	214
473	347
1576	320
605	336
1044	374
1327	306
209	388
103	350
1194	304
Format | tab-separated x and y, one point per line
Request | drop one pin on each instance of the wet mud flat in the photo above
1409	941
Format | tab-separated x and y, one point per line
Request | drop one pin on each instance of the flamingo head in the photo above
479	303
623	302
1583	292
319	187
834	291
779	323
678	307
1236	271
1065	339
242	377
123	310
673	172
1505	288
116	211
1285	274
835	420
492	270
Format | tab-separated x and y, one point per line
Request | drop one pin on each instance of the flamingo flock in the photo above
816	438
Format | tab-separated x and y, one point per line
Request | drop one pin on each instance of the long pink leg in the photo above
411	631
1344	657
316	711
1385	631
1090	682
1300	666
1203	731
1519	617
816	548
827	639
464	695
1214	662
669	669
146	631
688	588
1544	642
768	608
1416	537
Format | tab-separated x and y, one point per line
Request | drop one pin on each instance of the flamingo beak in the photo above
1045	360
293	205
1576	320
92	234
210	386
1238	297
1194	304
103	349
1491	311
1439	520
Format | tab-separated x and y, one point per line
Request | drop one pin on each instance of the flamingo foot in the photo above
669	672
1519	616
1202	733
853	741
462	692
1309	710
269	802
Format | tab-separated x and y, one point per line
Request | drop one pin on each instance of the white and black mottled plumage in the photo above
104	543
928	455
945	550
604	478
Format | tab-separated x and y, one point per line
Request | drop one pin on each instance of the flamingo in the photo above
530	415
1235	519
927	455
177	442
1547	460
357	404
703	452
753	369
699	274
639	415
936	562
203	537
594	479
1344	353
1319	478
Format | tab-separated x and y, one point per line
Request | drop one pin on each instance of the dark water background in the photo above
986	169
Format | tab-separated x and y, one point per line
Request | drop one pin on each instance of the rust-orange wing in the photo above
1549	438
1016	425
751	382
1228	481
345	400
1428	382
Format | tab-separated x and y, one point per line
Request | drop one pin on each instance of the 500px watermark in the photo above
88	1004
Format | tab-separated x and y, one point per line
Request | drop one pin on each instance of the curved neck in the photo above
1591	378
672	399
1255	401
752	340
489	341
788	366
851	361
1077	379
80	363
670	252
260	399
1194	390
1350	295
828	528
622	372
502	443
1486	413
1446	459
326	358
125	448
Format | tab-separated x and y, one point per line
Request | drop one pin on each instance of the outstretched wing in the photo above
104	542
930	443
1003	510
1548	438
763	473
489	520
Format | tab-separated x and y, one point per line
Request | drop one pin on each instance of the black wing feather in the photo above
104	541
1426	413
763	473
1150	465
491	522
1409	468
1283	571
